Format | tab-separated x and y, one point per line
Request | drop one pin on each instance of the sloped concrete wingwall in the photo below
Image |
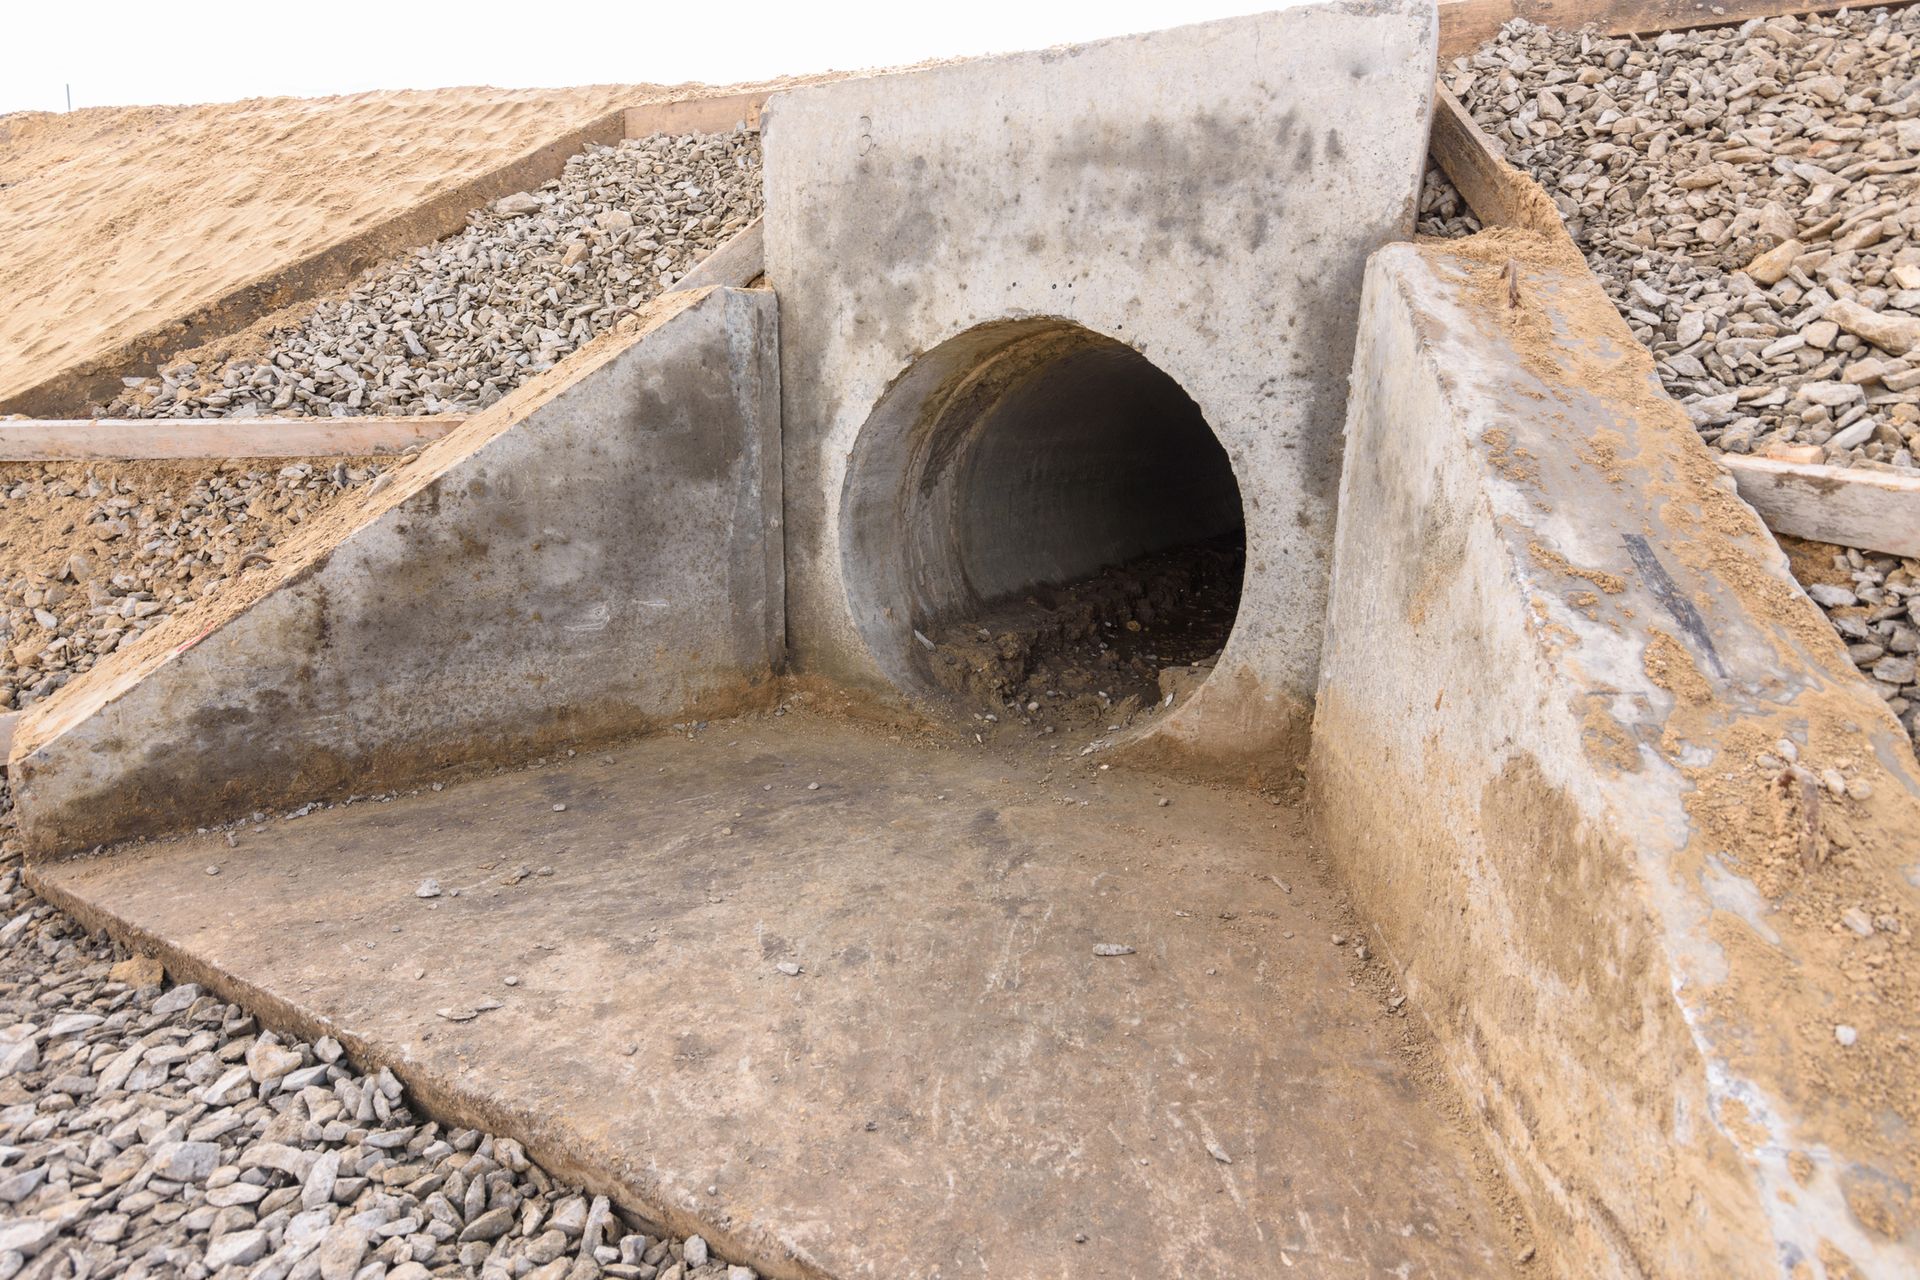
1206	195
596	554
1643	844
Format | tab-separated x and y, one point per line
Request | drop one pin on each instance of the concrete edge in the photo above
1850	506
1554	798
694	115
734	264
72	439
737	263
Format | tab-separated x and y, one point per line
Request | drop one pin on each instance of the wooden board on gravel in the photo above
1851	506
59	439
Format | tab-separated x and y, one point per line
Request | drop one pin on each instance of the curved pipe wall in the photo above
1016	454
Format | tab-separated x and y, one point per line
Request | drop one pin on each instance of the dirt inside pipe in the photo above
1099	652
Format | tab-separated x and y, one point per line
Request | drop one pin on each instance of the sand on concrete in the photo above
116	219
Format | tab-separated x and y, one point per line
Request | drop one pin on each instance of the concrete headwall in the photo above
1206	195
597	553
1643	844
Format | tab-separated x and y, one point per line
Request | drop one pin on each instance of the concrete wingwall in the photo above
597	554
1642	843
1206	195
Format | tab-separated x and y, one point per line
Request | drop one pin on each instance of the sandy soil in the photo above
114	219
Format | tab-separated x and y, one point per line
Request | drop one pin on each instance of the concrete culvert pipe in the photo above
1037	518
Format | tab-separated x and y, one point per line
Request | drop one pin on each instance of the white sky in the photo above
157	51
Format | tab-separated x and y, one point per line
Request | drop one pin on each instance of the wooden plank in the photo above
97	380
695	115
64	440
1467	24
1499	194
734	264
1871	510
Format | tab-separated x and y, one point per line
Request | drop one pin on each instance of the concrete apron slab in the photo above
1643	839
953	1085
1205	195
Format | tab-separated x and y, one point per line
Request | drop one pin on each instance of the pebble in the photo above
429	888
1846	1035
1112	949
789	968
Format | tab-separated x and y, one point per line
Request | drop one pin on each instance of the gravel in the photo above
96	555
456	325
149	1131
1874	614
1747	196
1443	210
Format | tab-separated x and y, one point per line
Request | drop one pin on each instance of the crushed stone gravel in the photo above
454	326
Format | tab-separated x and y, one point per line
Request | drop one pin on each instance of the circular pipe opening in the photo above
1038	522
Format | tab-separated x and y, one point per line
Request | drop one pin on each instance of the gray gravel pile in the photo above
1875	617
1443	211
96	556
456	325
1748	197
150	1132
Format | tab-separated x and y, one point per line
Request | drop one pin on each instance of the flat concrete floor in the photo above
955	1084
